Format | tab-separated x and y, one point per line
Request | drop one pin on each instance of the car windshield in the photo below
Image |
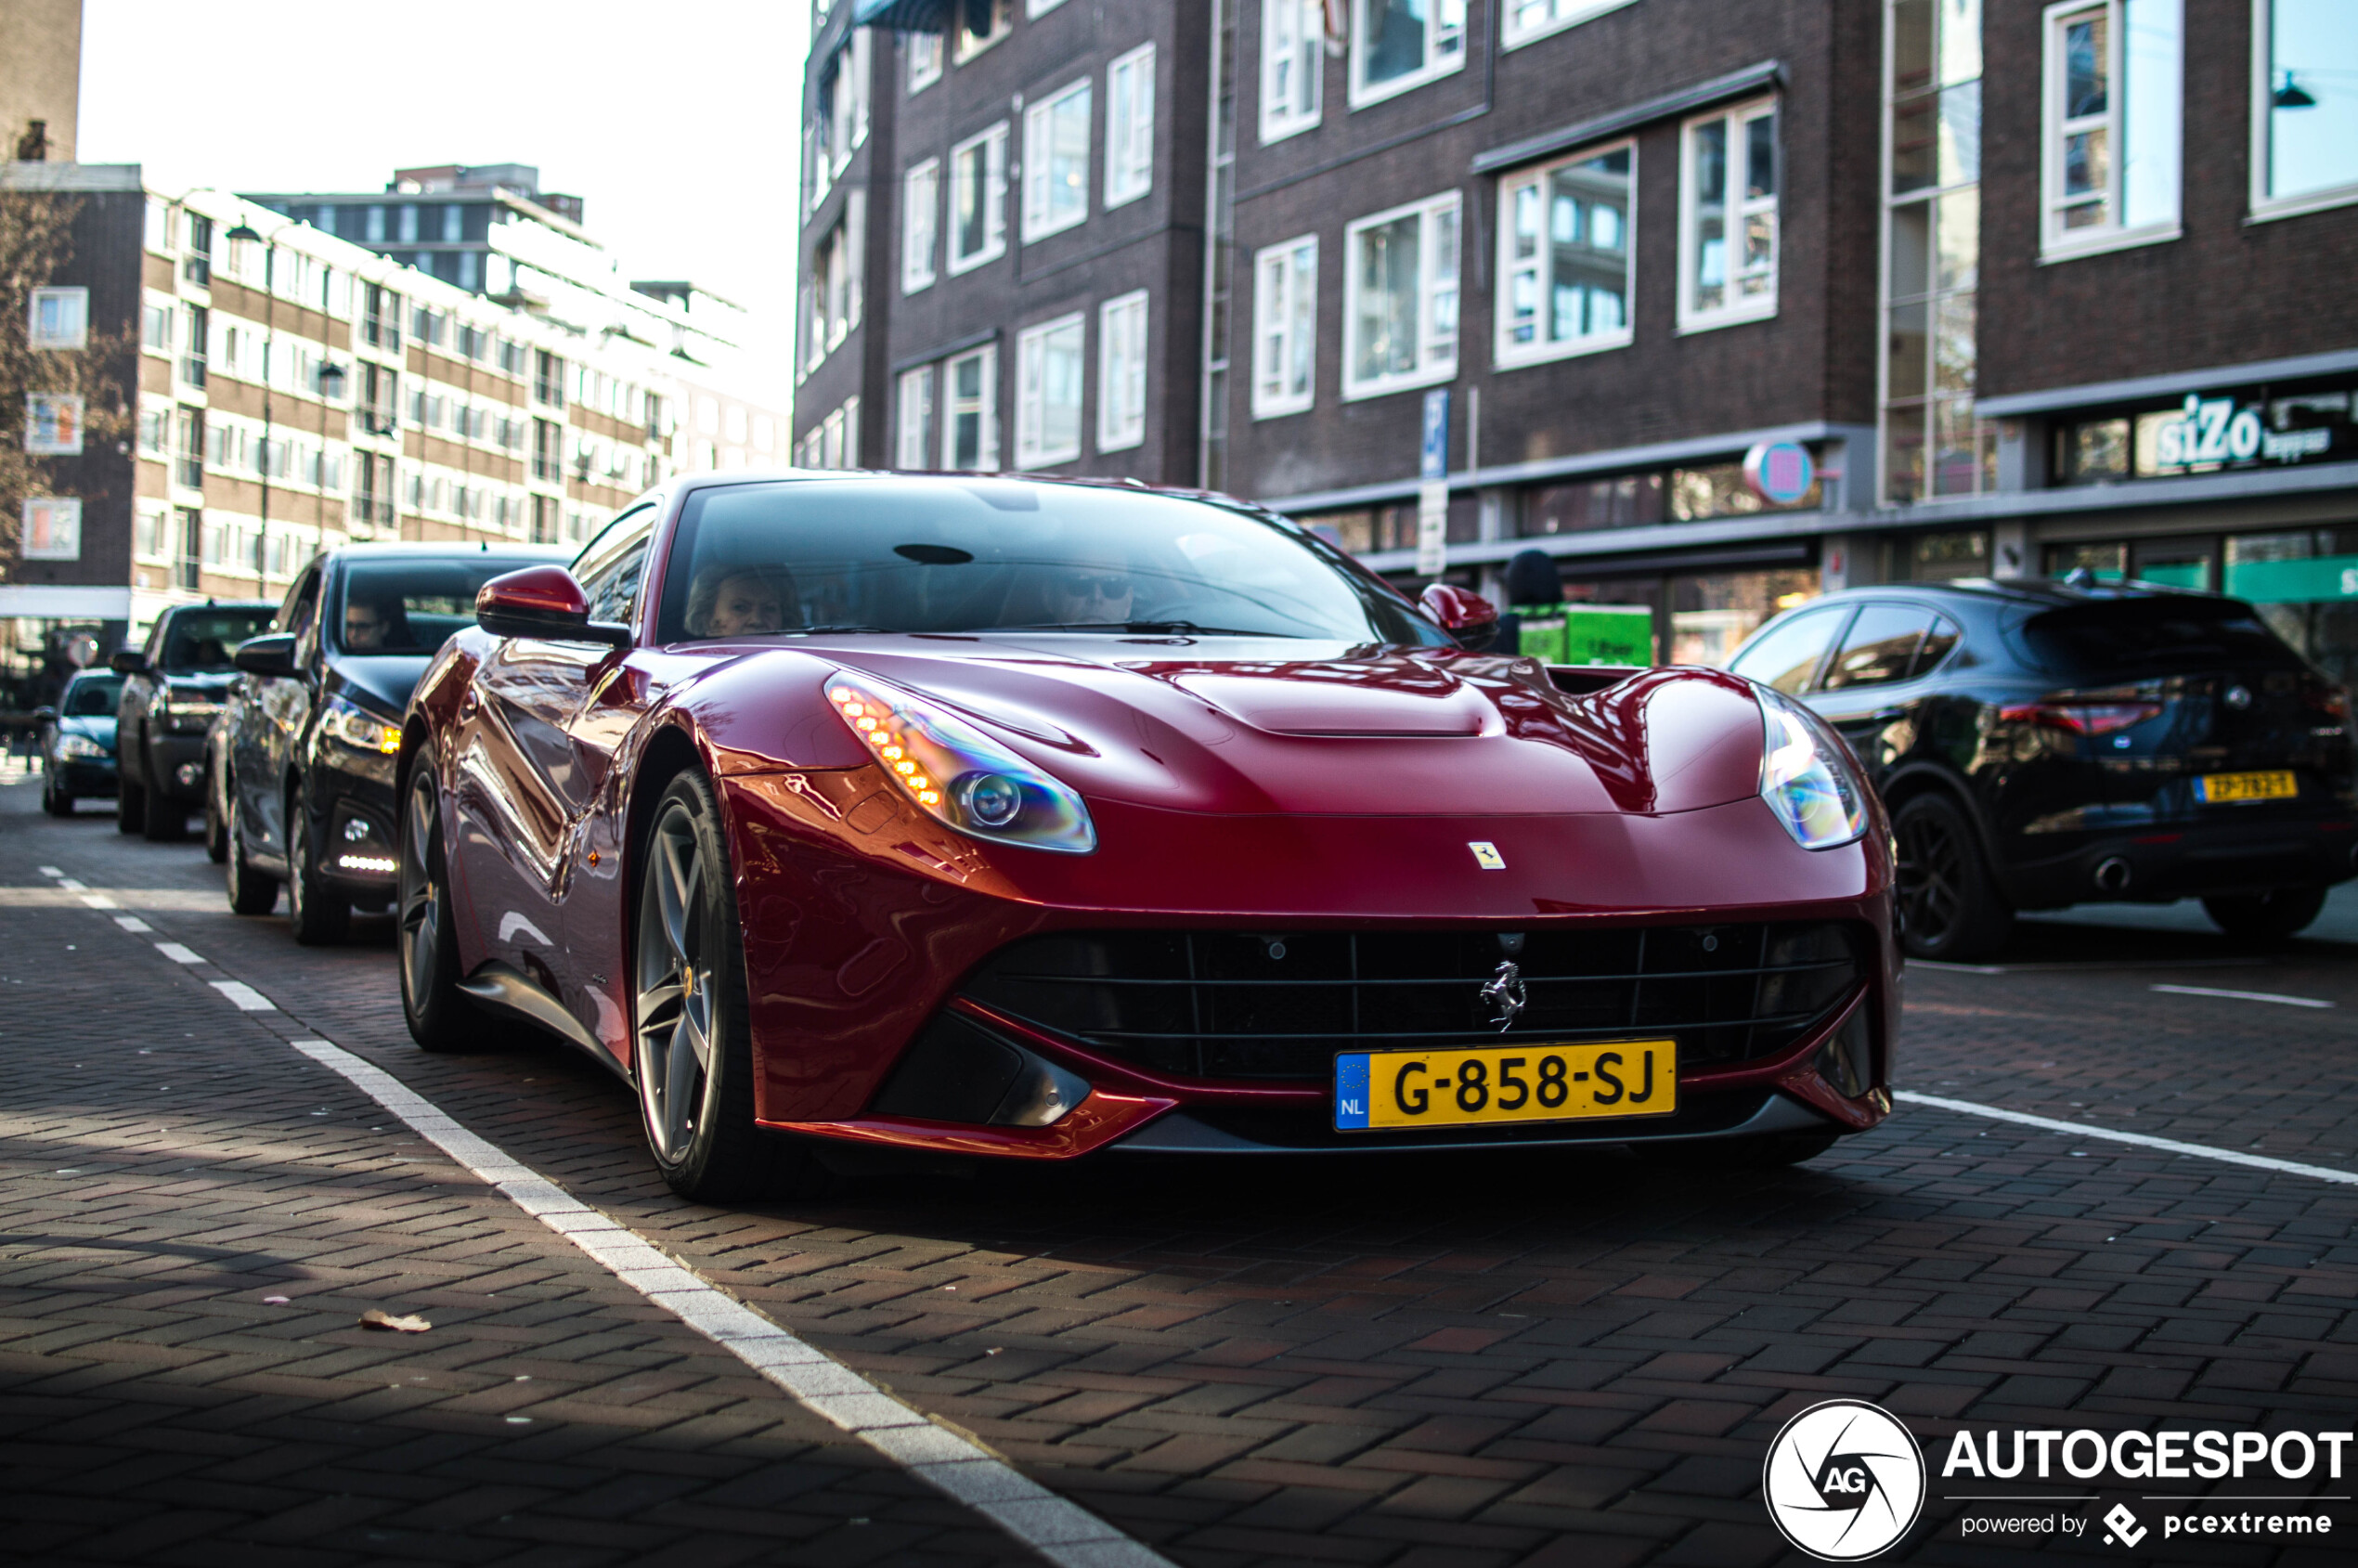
934	555
2158	635
201	641
411	604
91	697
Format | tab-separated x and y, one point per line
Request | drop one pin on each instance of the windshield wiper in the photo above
1154	629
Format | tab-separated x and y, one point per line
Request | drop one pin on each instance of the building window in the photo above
2304	105
1048	392
970	425
1285	328
197	265
845	99
1400	302
1293	37
198	340
1728	241
1055	161
1566	257
920	221
1130	126
835	271
914	433
1121	372
980	25
978	198
60	317
1524	21
925	60
1039	7
1396	44
2114	91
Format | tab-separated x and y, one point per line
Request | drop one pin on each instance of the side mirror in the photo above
273	654
1471	618
543	603
44	712
128	661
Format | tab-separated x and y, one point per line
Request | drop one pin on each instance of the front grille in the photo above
1280	1004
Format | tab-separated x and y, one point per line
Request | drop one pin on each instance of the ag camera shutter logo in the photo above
1844	1481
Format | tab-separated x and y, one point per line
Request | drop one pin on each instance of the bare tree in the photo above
37	243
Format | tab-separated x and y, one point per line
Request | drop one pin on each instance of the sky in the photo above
675	124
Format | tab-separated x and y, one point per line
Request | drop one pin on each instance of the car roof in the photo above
1062	481
2042	592
221	604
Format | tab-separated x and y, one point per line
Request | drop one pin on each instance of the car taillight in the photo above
2331	702
2080	717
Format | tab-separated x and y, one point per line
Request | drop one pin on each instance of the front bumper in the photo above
85	777
167	757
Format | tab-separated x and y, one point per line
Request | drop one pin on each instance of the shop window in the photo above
2105	561
1712	615
1401	302
1626	501
1881	647
1719	490
2306	138
1939	557
2114	94
1394	527
1396	44
1566	257
2092	452
1728	199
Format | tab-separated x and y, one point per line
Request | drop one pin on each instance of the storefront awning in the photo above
903	16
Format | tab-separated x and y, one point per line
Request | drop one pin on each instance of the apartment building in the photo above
1002	252
294	390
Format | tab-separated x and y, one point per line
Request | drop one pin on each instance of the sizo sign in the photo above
2214	432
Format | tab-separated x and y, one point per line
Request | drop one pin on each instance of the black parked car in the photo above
303	755
173	688
2043	744
78	742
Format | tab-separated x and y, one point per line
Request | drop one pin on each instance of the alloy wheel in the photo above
1931	876
421	907
674	986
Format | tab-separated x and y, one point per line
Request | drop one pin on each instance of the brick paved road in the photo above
1414	1364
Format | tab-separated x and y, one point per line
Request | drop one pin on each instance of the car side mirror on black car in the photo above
273	654
544	602
1466	615
128	661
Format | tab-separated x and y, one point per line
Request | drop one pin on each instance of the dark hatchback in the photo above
78	742
2043	744
302	756
173	689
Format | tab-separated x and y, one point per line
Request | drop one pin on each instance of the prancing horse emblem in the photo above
1504	991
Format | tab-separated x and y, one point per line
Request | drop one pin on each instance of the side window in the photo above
1881	647
611	568
303	603
1788	655
1939	641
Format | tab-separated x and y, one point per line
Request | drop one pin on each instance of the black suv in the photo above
173	688
302	756
2041	744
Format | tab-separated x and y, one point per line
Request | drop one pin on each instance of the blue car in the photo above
77	741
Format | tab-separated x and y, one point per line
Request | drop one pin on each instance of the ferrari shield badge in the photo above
1486	855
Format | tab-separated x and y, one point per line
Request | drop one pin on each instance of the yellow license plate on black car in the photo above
1489	1085
2221	789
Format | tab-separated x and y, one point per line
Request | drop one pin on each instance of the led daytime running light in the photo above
959	774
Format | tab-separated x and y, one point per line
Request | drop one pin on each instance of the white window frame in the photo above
965	46
1508	354
1130	138
986	410
1436	357
849	100
1031	390
2264	205
1760	307
77	297
920	224
1125	328
1440	62
926	51
1284	312
1039	7
1039	159
2056	242
914	431
991	146
1292	33
1514	32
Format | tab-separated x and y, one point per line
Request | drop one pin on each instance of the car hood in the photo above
1290	726
99	730
384	681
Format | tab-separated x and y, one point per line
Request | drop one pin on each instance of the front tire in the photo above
692	1050
54	801
217	829
162	818
251	892
2266	917
318	913
1950	906
441	1016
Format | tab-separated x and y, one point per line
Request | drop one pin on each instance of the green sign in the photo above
2318	579
1589	634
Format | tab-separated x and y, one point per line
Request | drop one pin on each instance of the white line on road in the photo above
71	885
2091	964
244	997
2241	995
132	922
178	953
1059	1530
49	870
2170	1146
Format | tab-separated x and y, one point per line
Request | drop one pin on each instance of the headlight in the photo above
359	728
79	746
958	774
1806	776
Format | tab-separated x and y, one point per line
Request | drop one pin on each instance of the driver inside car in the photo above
740	600
367	628
1091	593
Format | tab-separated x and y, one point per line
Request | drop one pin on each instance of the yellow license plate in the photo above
1491	1085
2219	789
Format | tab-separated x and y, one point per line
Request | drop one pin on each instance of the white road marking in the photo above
2091	964
1059	1530
99	901
132	922
49	870
2241	995
71	885
2170	1146
244	997
178	953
